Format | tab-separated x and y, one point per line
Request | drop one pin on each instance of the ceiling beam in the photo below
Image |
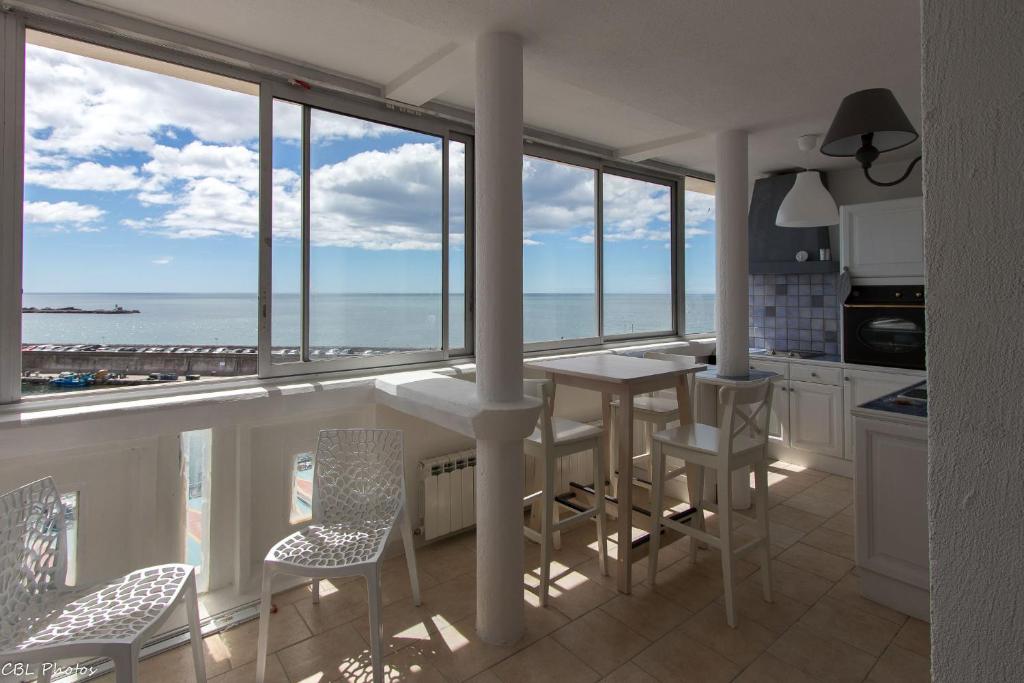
430	77
648	150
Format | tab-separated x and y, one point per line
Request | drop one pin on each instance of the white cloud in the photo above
88	175
61	212
700	209
163	260
557	198
636	210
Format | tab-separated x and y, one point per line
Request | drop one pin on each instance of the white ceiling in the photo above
613	72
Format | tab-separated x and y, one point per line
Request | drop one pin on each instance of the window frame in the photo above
332	103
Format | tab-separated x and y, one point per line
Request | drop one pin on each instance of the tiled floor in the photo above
818	628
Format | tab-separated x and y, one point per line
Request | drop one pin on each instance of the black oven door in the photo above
887	335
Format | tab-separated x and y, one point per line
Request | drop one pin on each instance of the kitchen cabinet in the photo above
883	242
816	418
861	386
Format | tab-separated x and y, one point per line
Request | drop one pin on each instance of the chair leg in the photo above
376	624
195	633
266	596
761	491
45	675
699	515
657	503
725	539
316	591
556	510
126	665
546	514
410	556
602	527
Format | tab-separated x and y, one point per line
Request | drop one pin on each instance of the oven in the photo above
884	325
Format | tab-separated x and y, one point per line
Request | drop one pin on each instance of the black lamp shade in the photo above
868	111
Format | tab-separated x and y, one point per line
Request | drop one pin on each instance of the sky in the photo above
142	182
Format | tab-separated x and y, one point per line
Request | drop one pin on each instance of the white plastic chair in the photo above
555	438
739	442
358	497
42	620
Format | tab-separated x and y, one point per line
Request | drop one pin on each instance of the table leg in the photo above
683	401
625	492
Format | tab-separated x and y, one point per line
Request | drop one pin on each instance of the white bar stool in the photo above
556	438
740	441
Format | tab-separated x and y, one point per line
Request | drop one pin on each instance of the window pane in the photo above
559	299
286	247
140	220
70	503
699	230
302	489
375	236
195	463
637	256
456	244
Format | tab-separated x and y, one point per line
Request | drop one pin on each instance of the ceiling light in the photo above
808	204
868	123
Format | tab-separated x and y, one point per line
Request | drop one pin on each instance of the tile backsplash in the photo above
794	312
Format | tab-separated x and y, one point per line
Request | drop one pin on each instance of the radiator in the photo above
449	502
449	494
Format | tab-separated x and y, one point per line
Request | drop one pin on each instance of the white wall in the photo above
973	80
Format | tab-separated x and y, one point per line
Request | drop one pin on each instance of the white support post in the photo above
731	201
499	331
12	159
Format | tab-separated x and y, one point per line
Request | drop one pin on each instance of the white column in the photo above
499	331
731	201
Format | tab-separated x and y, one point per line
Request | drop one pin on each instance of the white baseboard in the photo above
817	461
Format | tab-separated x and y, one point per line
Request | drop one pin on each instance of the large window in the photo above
140	220
559	222
699	232
637	256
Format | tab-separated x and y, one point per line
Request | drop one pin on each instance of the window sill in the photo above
106	403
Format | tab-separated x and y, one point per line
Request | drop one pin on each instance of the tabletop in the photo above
614	368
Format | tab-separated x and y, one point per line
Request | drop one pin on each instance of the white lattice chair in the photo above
358	497
42	620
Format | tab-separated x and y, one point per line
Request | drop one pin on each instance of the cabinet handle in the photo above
846	378
814	374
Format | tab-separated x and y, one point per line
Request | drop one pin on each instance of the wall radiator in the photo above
449	491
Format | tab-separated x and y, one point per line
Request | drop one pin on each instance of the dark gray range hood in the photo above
773	249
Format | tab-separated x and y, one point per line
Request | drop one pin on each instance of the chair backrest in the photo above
679	359
544	390
33	550
745	412
358	476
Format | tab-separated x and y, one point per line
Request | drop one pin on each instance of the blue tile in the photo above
817	289
817	313
780	311
780	289
805	289
817	324
831	348
805	313
792	279
792	300
805	300
830	313
816	279
817	346
830	336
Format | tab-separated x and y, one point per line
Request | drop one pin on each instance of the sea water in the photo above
411	321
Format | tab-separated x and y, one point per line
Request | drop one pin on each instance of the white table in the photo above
624	377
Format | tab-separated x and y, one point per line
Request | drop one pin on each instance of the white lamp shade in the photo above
808	204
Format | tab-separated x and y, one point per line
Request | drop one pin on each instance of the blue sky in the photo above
141	182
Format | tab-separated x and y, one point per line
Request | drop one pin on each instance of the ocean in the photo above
401	321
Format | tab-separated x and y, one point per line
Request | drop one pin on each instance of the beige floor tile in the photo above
831	541
629	673
797	519
850	625
844	522
915	636
600	640
647	612
898	665
815	561
688	585
823	503
247	673
770	669
778	534
572	593
796	583
847	591
339	604
449	558
395	584
776	616
834	481
286	628
337	654
740	645
678	658
820	657
408	665
175	666
485	677
545	660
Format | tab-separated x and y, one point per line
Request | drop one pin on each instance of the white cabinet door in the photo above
861	386
883	239
778	422
816	418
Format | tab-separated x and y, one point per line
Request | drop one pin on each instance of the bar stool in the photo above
556	438
741	441
655	411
